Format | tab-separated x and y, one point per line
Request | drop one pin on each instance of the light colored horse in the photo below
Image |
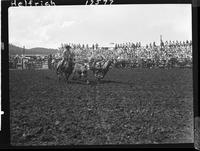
81	71
101	68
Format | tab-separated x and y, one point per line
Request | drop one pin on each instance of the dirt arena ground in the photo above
130	106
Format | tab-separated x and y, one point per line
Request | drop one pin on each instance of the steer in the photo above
80	71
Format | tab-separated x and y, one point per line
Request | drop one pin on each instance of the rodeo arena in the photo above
124	93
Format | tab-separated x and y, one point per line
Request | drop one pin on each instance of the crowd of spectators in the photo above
166	53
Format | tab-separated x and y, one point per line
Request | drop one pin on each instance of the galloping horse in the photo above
100	69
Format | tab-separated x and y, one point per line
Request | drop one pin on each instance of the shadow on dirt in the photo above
114	82
94	82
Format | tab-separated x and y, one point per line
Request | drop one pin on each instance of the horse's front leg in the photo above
73	75
59	74
59	78
97	77
67	77
86	78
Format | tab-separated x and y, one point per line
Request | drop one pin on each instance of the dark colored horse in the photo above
65	67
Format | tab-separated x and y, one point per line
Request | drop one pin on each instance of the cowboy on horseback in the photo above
67	55
66	65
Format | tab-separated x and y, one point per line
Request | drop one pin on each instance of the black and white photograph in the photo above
101	74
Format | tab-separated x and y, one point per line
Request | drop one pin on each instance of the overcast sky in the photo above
52	25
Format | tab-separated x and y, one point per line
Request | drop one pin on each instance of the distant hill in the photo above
13	50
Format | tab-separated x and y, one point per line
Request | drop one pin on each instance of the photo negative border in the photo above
5	118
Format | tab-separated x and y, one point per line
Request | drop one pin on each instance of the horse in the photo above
100	69
65	67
